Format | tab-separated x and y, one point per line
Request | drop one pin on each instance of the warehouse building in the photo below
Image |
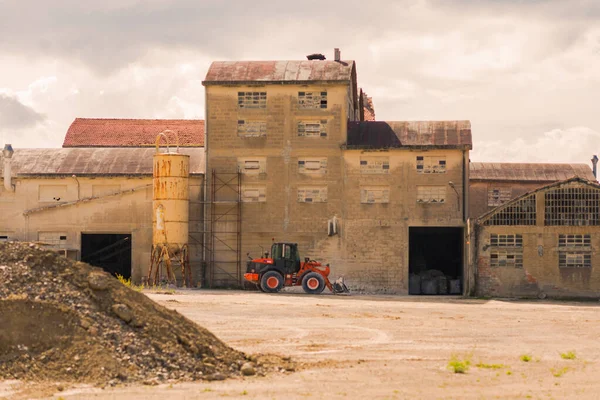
543	243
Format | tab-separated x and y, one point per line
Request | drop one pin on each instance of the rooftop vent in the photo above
316	56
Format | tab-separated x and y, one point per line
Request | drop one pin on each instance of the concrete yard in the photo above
383	347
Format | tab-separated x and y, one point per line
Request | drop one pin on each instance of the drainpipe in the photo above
8	152
595	165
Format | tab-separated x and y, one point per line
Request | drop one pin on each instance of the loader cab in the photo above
286	257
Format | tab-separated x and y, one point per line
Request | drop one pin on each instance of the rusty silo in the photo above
170	216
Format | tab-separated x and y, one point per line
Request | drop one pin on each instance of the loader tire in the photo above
271	282
313	283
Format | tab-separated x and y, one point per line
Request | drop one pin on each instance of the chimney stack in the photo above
337	55
7	154
595	165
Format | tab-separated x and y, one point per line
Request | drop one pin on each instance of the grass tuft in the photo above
559	372
570	355
459	366
490	366
526	357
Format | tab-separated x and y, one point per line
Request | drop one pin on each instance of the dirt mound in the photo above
68	321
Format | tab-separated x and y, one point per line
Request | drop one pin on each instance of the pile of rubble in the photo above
63	320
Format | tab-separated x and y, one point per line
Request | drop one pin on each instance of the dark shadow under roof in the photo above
399	134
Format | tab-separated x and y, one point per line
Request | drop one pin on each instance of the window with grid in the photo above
374	195
572	206
252	166
499	196
312	100
521	212
312	166
431	194
506	258
252	99
250	129
431	165
498	240
575	251
256	194
374	165
574	240
317	128
312	194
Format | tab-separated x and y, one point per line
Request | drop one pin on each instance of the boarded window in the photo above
574	240
252	99
521	212
499	196
312	194
506	258
54	239
254	194
370	195
431	194
54	193
252	166
103	190
312	100
315	128
312	166
506	240
431	165
251	129
572	206
374	165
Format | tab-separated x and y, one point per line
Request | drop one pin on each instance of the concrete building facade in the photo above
350	193
543	243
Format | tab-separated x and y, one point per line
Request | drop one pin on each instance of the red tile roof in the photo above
100	132
279	71
399	134
536	172
368	108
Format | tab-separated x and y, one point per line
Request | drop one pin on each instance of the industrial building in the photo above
493	184
288	158
95	203
542	243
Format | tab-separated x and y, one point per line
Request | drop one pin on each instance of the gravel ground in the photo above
384	347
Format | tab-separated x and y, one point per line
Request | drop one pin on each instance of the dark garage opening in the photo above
110	251
435	260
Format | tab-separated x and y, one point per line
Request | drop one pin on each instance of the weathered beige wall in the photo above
129	212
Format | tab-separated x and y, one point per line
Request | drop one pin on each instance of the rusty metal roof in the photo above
532	172
397	134
108	132
94	161
221	72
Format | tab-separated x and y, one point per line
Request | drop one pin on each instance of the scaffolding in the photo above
224	234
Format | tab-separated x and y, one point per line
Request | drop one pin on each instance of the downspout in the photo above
7	153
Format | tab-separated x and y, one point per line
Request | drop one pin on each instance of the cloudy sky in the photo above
525	72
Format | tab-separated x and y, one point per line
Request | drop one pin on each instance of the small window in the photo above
312	100
252	166
506	258
312	166
431	194
375	165
575	259
431	165
506	240
251	129
256	194
315	129
252	99
499	196
312	194
574	240
375	195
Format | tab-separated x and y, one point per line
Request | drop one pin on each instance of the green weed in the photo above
490	366
127	282
559	372
570	355
526	357
459	366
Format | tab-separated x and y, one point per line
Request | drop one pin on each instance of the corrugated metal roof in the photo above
529	172
279	71
94	161
394	134
101	132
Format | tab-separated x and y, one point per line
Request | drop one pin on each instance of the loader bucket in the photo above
339	286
